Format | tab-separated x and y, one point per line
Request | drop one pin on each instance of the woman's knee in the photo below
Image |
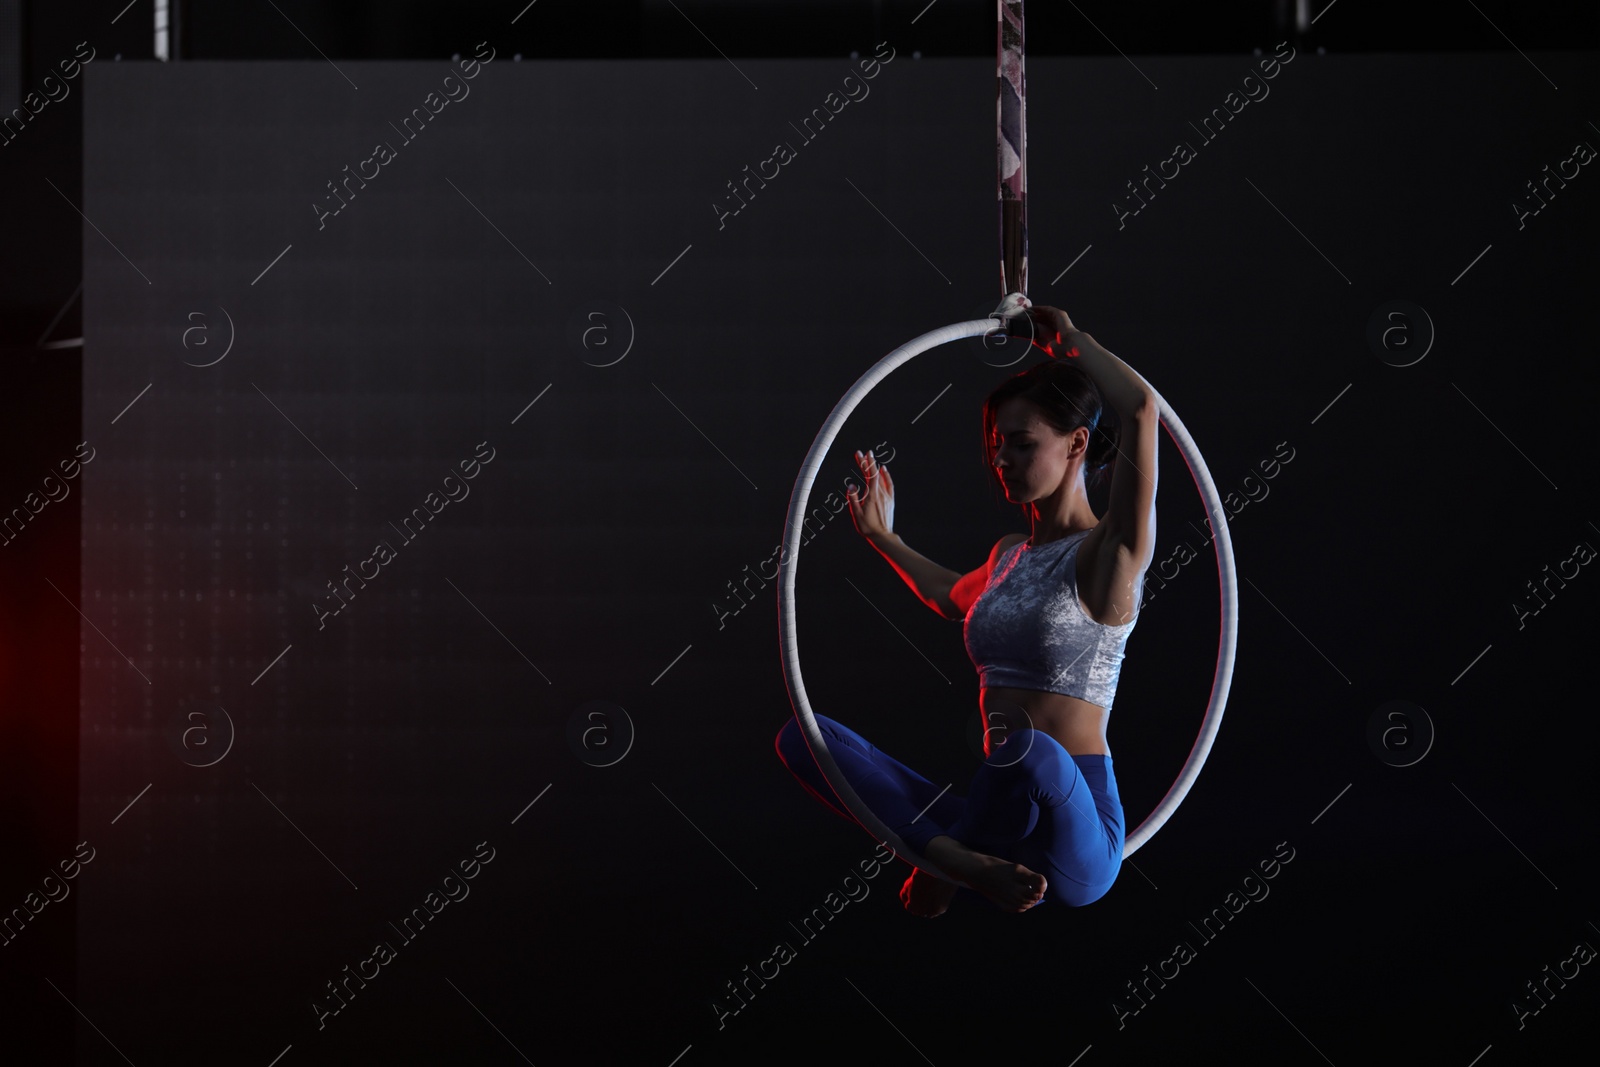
1075	895
1039	743
791	740
1028	753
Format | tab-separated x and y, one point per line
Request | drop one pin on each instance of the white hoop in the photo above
790	560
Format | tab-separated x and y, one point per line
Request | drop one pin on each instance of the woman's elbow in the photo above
1142	406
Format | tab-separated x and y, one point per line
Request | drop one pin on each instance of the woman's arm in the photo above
931	582
872	511
1054	332
1123	389
1130	516
950	594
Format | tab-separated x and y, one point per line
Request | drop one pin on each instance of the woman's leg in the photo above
1052	812
896	794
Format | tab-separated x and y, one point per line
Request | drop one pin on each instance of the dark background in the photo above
590	561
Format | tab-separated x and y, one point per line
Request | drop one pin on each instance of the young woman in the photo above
1046	619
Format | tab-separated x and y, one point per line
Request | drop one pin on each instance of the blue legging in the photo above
1053	812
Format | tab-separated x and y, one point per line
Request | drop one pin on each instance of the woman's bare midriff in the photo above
1079	725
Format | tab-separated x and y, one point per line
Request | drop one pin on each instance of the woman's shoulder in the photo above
1008	542
1001	548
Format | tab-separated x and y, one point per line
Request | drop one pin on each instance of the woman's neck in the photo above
1055	527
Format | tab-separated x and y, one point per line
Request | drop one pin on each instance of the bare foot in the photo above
925	894
1011	886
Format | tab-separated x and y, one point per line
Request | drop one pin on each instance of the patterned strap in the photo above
1012	146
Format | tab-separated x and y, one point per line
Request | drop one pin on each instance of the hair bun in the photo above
1102	447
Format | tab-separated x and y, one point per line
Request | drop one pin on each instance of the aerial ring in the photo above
790	561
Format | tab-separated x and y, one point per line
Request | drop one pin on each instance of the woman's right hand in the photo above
872	511
1046	327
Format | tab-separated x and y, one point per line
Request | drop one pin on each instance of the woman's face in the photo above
1032	459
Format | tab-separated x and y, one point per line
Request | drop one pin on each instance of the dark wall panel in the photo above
274	774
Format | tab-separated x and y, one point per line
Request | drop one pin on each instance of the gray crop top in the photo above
1029	630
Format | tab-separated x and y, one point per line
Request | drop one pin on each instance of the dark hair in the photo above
1067	398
